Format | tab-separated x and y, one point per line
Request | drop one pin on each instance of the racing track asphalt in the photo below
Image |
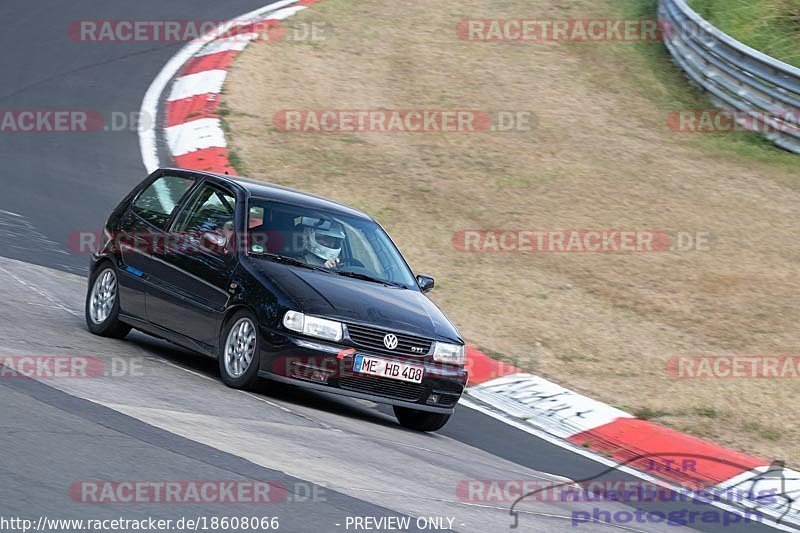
178	422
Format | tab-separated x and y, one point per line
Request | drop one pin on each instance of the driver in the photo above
228	233
322	241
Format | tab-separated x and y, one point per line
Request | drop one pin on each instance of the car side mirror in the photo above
214	241
425	283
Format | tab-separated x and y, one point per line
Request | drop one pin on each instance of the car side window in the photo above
210	210
157	202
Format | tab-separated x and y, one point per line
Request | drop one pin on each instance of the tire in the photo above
238	340
420	420
102	303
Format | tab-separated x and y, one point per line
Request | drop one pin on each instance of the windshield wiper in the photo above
368	278
290	261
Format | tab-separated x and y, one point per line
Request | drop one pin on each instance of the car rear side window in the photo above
157	202
209	210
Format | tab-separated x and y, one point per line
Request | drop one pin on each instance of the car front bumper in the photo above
329	368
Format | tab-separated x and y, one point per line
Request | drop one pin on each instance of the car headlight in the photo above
452	354
313	326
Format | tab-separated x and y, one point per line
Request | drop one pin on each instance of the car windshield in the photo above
342	245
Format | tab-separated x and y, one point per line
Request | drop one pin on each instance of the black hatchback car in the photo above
276	283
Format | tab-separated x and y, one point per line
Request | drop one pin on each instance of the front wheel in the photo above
239	351
102	304
420	420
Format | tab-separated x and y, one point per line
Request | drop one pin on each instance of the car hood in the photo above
353	300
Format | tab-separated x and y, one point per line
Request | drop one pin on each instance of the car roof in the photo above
263	189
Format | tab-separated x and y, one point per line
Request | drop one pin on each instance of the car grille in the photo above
448	400
372	339
388	388
449	387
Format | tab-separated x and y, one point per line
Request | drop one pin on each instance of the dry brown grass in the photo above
601	157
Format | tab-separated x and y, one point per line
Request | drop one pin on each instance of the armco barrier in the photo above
736	76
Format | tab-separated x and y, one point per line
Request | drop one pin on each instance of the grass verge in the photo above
770	26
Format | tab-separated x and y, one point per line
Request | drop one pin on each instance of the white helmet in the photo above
321	237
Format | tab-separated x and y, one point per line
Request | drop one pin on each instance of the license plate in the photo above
375	366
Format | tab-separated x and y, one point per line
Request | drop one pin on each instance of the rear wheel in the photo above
239	351
420	420
102	304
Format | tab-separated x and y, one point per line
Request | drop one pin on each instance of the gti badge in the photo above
390	341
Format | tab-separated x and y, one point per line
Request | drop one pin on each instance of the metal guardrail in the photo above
764	92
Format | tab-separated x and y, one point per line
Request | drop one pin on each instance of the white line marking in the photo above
195	135
189	370
208	81
250	394
284	13
290	411
40	293
227	44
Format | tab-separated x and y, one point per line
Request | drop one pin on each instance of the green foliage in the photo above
771	26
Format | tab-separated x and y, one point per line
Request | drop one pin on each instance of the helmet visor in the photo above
329	241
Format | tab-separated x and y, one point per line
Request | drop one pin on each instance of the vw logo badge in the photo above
390	341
